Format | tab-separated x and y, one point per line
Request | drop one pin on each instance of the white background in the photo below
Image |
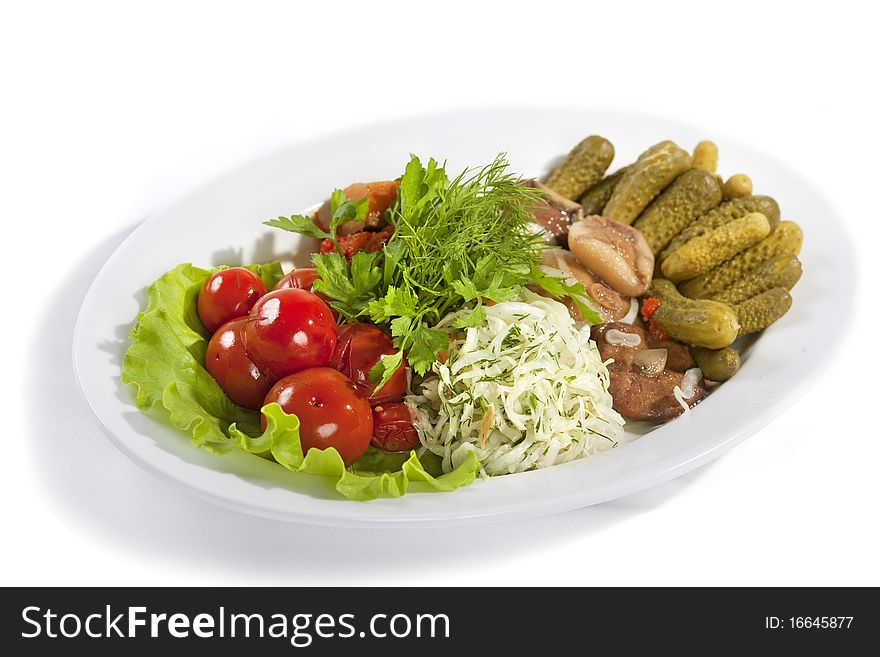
111	110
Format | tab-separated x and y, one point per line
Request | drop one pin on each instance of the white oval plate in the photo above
220	224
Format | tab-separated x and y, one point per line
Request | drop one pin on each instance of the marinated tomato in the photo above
301	279
381	194
227	294
290	330
365	240
332	412
393	429
358	349
304	279
235	372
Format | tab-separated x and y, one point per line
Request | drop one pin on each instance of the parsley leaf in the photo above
560	288
427	343
342	209
299	223
381	372
350	289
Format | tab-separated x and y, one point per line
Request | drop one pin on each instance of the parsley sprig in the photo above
342	209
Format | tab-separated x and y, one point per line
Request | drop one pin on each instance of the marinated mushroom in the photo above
555	214
616	253
649	379
610	305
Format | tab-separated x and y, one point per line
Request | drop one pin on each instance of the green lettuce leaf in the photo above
165	364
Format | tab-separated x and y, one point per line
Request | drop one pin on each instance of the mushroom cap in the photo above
615	252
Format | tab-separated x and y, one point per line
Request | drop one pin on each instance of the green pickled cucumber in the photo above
727	211
737	186
782	271
761	311
583	168
664	290
701	323
716	364
705	156
645	179
707	251
786	239
692	194
594	199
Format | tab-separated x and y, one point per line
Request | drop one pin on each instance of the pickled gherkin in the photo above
706	156
707	251
702	323
690	195
594	199
716	364
664	290
781	271
737	186
583	168
786	239
727	211
761	311
645	179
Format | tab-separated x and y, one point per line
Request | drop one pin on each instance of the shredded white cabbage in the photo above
525	389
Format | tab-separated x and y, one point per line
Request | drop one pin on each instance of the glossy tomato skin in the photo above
227	294
393	429
288	331
331	411
358	349
302	279
229	364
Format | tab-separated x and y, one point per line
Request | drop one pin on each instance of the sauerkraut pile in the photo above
525	389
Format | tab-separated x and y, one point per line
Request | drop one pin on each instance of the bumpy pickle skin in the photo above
583	167
705	156
782	271
645	179
761	311
594	199
702	323
737	186
717	364
727	211
705	252
692	194
664	290
786	239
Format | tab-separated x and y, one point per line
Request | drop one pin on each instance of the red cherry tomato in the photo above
227	294
229	364
302	279
358	349
290	330
331	411
393	429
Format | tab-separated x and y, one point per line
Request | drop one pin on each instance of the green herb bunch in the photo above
463	241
